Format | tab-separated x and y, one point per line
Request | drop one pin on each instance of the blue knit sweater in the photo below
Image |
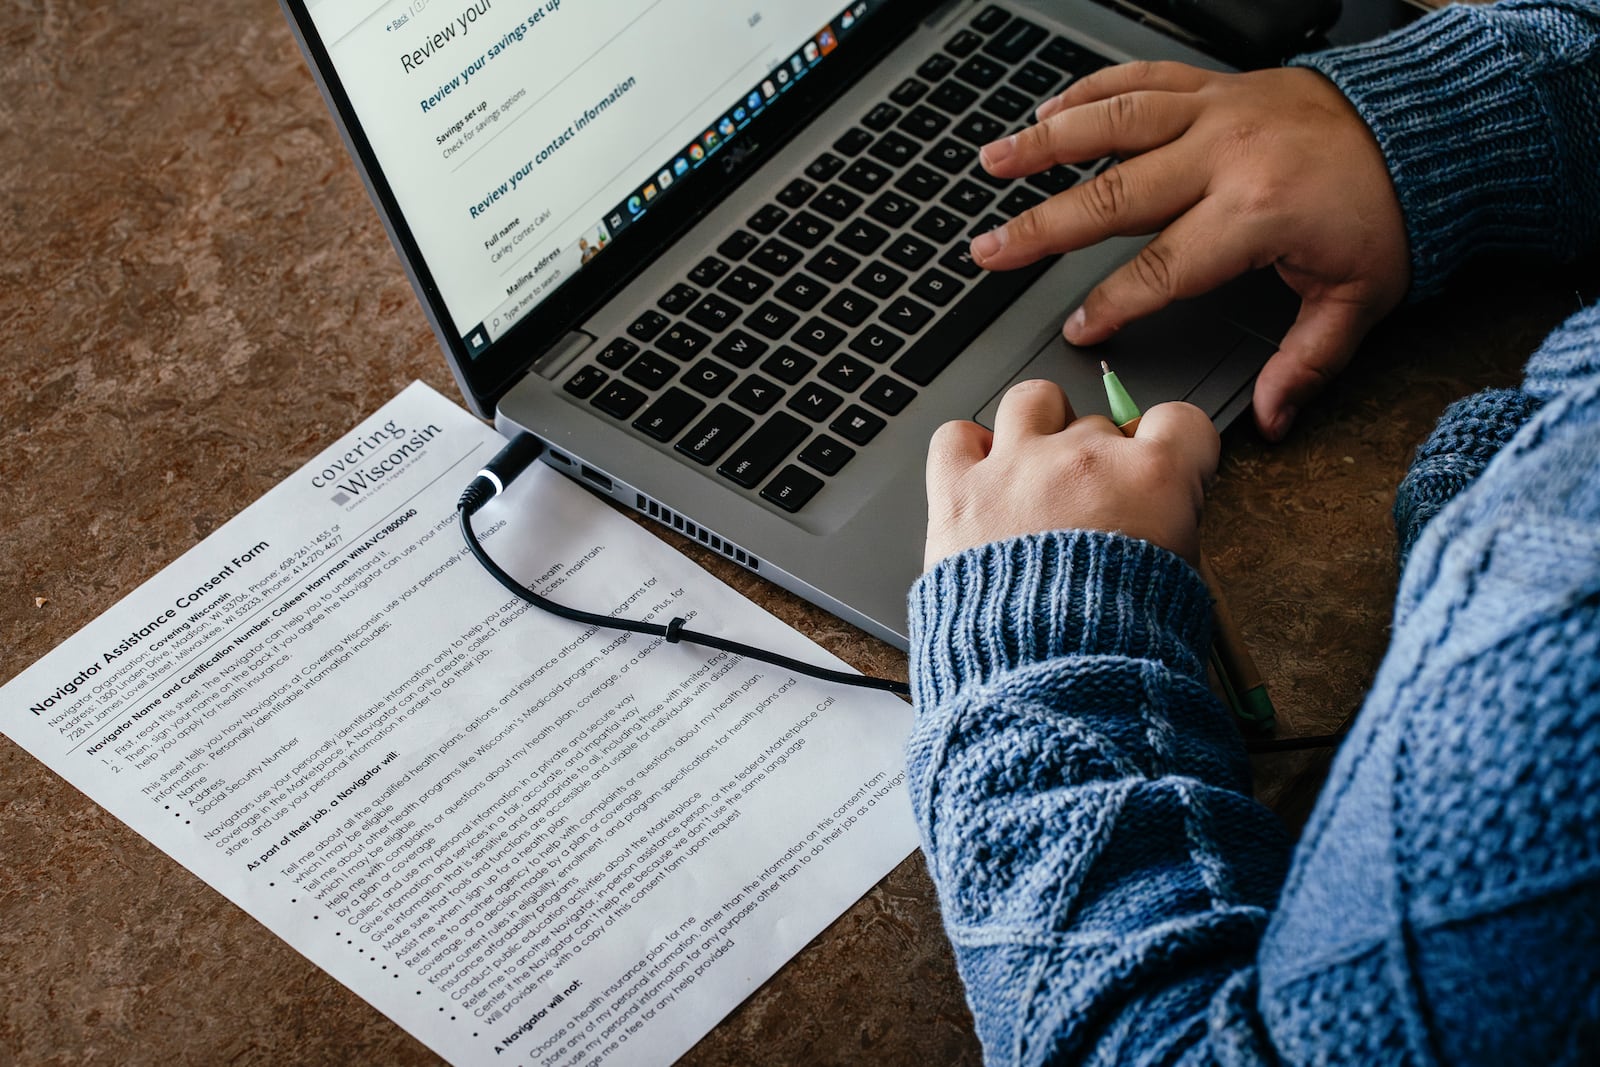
1112	892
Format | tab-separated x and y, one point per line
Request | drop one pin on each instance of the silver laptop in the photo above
714	256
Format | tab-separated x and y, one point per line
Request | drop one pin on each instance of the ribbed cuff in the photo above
989	610
1464	133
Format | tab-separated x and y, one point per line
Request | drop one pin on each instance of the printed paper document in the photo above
525	841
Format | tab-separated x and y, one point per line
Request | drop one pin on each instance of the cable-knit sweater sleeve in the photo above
1489	121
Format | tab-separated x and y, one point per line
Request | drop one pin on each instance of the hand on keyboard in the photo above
1231	172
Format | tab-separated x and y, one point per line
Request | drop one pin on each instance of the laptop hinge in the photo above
555	361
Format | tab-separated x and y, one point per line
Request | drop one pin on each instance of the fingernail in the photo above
996	152
1280	424
1048	108
1077	323
986	246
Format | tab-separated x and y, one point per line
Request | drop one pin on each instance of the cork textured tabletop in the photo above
197	297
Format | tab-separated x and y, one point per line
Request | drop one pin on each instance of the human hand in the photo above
1231	172
1043	468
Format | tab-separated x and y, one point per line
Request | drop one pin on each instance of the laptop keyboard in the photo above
786	350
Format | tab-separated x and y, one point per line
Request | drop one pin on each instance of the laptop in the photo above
715	256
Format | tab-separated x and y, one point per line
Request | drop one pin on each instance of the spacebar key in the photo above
952	332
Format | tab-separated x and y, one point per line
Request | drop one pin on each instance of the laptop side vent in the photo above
667	517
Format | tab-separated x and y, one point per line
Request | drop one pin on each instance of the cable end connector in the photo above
517	456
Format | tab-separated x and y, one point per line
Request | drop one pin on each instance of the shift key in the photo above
765	449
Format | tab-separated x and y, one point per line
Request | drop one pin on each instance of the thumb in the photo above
1316	348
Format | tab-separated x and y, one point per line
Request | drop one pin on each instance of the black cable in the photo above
512	461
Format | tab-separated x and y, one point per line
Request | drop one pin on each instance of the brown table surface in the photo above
197	297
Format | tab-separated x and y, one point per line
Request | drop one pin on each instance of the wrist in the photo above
986	611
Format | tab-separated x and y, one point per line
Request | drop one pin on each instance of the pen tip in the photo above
1105	368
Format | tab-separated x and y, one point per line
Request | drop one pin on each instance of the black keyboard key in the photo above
1014	43
715	313
707	271
881	117
756	393
669	414
796	193
832	264
1054	180
1035	79
909	252
712	435
991	221
683	341
893	210
738	244
952	157
909	92
678	299
824	167
826	455
792	489
935	67
745	286
845	373
963	44
990	19
953	97
863	236
740	349
776	257
770	320
585	382
921	182
888	395
1074	59
1007	103
801	291
979	174
616	354
876	343
1018	200
979	129
618	399
819	336
849	307
958	260
936	287
880	279
651	371
939	226
907	316
964	320
646	326
708	377
806	230
924	122
857	425
763	450
853	143
979	71
814	402
967	197
866	175
788	365
837	202
895	149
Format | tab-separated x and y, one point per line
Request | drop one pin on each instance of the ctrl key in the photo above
711	436
792	488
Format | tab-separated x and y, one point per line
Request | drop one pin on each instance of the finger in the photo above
1028	409
1188	432
1317	347
1128	78
1136	197
1124	125
953	449
1205	247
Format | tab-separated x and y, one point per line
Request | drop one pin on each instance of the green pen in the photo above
1241	681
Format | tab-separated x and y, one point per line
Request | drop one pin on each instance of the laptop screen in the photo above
521	141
